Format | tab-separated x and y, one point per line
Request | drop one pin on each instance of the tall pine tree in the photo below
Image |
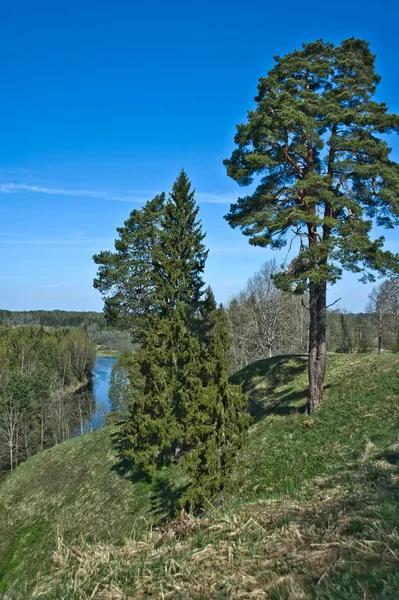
314	143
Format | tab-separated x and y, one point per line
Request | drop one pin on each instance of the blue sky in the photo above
104	102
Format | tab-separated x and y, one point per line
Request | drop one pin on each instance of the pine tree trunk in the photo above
317	345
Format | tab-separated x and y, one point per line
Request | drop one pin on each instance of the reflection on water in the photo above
102	374
93	400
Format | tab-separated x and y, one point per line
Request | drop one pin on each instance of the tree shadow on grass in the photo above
164	498
165	493
391	456
124	467
262	380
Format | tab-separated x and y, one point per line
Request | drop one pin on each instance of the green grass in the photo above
311	512
78	489
288	448
108	353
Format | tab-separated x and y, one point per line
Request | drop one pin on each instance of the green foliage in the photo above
164	379
158	261
180	404
126	277
151	429
38	370
315	138
180	256
93	323
216	422
53	318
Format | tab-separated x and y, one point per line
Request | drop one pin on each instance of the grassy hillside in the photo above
312	510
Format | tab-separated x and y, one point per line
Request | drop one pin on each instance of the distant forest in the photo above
93	323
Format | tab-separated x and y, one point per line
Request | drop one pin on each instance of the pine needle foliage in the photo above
150	429
180	254
315	146
125	277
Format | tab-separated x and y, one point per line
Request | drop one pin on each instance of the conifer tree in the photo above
180	255
150	427
126	277
181	403
325	175
166	378
217	423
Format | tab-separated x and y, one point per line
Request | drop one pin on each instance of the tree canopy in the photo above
315	146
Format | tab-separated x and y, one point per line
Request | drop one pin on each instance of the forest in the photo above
93	323
40	371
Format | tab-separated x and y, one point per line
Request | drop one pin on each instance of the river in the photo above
102	373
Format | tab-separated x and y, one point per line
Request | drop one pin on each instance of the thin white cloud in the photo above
114	195
12	188
51	285
216	198
71	241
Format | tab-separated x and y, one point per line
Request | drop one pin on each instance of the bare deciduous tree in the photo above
266	321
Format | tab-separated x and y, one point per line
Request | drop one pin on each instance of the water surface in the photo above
102	373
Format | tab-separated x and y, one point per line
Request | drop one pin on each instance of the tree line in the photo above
266	321
39	371
94	323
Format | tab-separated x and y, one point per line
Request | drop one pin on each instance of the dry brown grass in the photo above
269	549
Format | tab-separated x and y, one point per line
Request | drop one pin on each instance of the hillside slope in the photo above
311	511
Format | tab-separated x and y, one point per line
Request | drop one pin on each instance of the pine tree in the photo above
315	140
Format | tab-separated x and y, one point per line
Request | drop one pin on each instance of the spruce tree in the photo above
150	428
180	255
166	376
126	277
314	143
217	423
181	405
